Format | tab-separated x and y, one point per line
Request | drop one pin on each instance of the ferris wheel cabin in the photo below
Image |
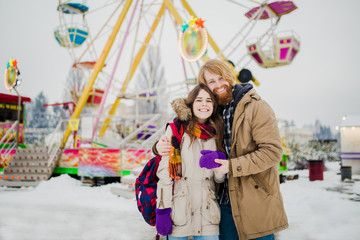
282	52
94	98
74	35
71	37
73	8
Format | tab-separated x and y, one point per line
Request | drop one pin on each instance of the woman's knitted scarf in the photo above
201	131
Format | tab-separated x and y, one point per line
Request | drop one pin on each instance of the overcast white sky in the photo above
322	82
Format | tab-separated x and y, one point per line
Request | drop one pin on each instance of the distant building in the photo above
9	105
350	142
9	108
294	134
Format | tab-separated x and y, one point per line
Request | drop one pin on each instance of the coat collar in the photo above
240	90
248	97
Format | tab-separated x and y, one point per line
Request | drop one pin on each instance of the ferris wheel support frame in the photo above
100	63
97	68
134	66
113	71
168	4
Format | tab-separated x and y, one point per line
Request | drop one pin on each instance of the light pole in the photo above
11	81
18	117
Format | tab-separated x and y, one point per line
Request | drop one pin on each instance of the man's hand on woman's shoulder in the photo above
163	147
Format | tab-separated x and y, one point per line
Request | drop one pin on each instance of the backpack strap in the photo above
178	133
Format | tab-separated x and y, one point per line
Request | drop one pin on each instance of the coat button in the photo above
238	169
185	178
256	186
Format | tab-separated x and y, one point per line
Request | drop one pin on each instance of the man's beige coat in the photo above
254	187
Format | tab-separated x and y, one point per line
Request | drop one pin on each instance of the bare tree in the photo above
74	85
151	75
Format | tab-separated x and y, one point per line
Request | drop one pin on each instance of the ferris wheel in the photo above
87	27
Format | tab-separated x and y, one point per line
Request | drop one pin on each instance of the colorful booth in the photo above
9	111
350	142
100	162
8	115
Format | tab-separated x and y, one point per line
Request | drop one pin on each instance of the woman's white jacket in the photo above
195	210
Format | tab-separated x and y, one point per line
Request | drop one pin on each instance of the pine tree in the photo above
39	116
322	132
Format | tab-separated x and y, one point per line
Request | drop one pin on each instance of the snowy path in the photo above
317	212
62	209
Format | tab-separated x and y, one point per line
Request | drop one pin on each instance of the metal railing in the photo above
55	141
7	143
138	130
156	136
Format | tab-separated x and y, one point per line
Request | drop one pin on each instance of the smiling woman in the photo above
186	179
198	104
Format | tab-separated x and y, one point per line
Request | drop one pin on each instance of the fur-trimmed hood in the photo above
182	111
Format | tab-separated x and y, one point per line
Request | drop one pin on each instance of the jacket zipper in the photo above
161	198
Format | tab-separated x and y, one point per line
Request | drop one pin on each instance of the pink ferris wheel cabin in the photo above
282	52
273	49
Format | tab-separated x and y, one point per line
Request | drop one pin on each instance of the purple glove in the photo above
163	221
208	157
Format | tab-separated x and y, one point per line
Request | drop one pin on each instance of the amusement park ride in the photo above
104	138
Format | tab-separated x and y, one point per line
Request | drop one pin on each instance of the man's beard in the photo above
224	97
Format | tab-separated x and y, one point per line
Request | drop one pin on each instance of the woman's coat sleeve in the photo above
165	183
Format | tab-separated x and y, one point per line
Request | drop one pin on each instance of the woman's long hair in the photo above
215	120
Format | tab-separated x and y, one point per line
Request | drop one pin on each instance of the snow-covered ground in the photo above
62	209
